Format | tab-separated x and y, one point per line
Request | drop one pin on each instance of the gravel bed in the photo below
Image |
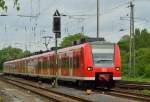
96	97
11	93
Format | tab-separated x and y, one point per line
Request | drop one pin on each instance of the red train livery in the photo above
95	62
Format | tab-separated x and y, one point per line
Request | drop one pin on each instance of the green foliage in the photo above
143	62
3	5
142	53
67	41
142	38
145	92
10	53
124	43
138	79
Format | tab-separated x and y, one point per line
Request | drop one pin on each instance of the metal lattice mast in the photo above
97	18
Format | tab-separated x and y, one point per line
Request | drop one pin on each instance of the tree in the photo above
67	41
137	38
142	53
3	5
143	62
142	39
124	43
10	53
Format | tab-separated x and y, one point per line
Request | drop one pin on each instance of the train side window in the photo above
70	62
39	64
63	62
51	61
59	62
67	62
44	63
48	63
74	62
77	61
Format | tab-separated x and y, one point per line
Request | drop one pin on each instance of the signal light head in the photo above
117	68
89	68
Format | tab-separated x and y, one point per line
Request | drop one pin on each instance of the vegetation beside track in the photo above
67	41
10	53
142	55
137	79
145	92
1	99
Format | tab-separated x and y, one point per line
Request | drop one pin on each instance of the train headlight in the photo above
90	69
117	68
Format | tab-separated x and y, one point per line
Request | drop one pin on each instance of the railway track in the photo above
133	85
42	91
129	95
126	89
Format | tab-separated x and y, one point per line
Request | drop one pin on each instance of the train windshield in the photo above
103	55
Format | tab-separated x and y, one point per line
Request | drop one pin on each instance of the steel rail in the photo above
51	94
133	85
130	95
113	92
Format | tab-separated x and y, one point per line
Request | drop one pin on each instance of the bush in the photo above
143	62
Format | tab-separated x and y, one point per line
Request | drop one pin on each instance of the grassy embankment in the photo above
138	79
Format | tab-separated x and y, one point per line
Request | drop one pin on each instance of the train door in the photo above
81	61
45	69
70	62
35	65
39	66
75	63
78	62
25	66
48	64
59	64
63	64
54	65
51	64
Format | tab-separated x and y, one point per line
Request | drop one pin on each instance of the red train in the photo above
96	62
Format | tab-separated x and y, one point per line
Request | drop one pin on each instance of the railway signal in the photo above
57	31
57	24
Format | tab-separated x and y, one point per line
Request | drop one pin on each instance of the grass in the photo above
142	92
1	99
145	92
138	79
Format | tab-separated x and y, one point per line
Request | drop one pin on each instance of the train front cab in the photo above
106	66
110	68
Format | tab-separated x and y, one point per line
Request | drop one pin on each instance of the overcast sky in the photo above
26	32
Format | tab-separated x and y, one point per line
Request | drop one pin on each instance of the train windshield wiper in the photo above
103	60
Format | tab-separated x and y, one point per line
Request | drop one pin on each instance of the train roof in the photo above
77	44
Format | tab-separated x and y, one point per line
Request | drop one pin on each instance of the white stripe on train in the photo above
69	78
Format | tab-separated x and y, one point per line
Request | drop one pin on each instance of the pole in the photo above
56	79
57	31
132	42
39	7
46	41
133	37
97	18
130	50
